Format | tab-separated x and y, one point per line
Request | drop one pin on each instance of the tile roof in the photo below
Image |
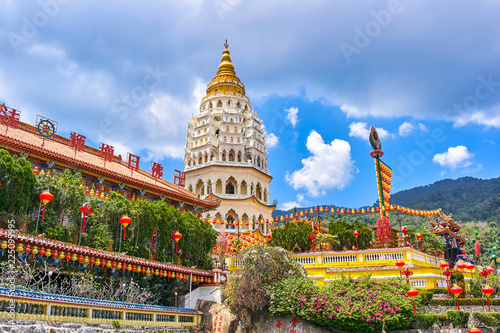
26	139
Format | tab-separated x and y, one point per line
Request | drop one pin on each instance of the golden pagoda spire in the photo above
226	67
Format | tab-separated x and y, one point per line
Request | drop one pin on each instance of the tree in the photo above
262	266
17	183
292	237
431	243
344	231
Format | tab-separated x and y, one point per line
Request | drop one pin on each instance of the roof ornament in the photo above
225	44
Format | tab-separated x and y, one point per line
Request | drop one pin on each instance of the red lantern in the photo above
326	209
413	293
177	237
338	210
312	237
316	209
356	234
125	221
46	197
267	221
444	265
456	290
461	265
35	170
470	266
487	290
474	330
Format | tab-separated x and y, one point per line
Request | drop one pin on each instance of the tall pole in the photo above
38	217
121	229
190	285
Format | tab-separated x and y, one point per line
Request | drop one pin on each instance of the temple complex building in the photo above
226	155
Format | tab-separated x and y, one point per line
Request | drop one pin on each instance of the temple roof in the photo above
25	139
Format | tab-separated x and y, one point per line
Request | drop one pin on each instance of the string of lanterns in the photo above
368	210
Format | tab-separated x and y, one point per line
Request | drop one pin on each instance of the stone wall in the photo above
25	326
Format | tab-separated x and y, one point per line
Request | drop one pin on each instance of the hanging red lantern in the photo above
35	170
125	221
456	290
474	330
356	234
316	209
267	221
413	293
46	197
470	266
487	290
177	237
326	209
444	265
338	210
306	212
461	265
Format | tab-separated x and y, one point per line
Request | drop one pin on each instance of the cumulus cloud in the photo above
329	167
292	204
272	140
291	115
360	130
478	117
455	157
406	128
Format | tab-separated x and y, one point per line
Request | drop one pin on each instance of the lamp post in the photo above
413	293
456	290
356	234
487	290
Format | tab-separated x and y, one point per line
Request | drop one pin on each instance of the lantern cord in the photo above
176	243
489	309
414	310
458	305
124	229
43	212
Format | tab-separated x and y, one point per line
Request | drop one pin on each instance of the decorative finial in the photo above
225	44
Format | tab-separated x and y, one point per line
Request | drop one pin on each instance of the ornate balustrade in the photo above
29	305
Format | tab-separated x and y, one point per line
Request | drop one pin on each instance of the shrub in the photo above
458	318
427	319
443	320
438	290
488	319
356	305
117	324
424	297
463	301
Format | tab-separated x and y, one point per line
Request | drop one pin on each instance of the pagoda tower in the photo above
226	156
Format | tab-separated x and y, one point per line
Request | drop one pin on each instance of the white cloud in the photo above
480	118
292	204
291	115
422	127
272	140
455	157
329	167
360	130
406	128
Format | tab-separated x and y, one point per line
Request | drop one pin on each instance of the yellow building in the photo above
323	267
226	156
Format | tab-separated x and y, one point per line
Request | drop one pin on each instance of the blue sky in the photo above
319	74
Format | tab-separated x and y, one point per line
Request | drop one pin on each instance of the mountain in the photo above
467	198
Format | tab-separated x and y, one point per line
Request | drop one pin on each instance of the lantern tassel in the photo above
489	309
124	229
458	305
414	310
83	224
176	243
43	212
152	242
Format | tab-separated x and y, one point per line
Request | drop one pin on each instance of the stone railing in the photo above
29	305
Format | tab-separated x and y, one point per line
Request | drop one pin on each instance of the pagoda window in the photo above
200	160
243	187
236	130
206	158
231	120
258	193
246	107
230	218
238	105
224	156
218	186
227	128
219	104
231	155
239	153
230	188
248	157
210	105
229	102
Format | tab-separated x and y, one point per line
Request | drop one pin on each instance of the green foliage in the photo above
427	320
262	267
356	305
329	239
458	318
443	320
344	232
488	319
424	297
438	290
457	278
117	324
17	193
431	243
463	301
292	237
